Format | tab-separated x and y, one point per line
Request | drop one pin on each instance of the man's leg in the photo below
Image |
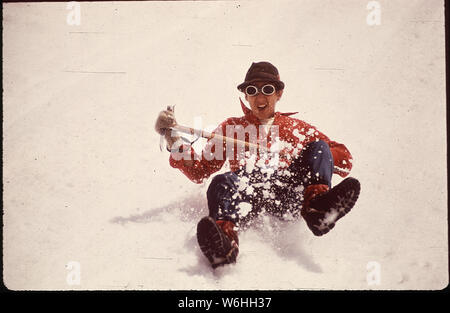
236	197
322	206
221	195
216	233
314	166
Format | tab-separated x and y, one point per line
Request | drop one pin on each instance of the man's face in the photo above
263	106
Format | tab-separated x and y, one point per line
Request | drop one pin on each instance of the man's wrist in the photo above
179	149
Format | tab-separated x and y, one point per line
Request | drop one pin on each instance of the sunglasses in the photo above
265	90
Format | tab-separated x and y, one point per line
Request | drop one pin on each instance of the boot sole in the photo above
212	241
333	205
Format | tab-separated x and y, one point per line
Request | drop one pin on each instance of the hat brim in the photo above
279	85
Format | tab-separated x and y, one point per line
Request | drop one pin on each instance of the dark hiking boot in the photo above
323	210
218	241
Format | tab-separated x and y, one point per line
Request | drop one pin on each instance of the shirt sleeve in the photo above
200	167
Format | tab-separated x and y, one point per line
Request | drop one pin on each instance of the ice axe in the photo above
208	135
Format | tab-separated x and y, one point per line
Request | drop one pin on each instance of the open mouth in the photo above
262	106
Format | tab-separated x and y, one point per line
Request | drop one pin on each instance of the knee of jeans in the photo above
318	146
218	182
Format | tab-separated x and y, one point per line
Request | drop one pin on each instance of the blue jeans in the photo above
240	196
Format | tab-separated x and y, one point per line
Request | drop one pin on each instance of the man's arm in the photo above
341	157
199	167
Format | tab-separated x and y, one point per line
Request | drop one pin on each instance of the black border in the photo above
292	300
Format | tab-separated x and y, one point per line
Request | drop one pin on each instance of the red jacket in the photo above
295	133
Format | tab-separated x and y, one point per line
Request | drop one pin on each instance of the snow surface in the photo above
84	179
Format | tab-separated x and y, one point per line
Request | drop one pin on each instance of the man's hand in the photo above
166	120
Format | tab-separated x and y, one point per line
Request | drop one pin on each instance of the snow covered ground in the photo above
88	194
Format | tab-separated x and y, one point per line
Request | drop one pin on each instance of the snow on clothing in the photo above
257	184
240	196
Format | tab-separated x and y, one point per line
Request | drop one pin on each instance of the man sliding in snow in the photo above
288	173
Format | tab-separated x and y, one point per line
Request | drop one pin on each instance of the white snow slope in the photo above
91	203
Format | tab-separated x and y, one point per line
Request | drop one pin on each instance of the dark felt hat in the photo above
262	71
